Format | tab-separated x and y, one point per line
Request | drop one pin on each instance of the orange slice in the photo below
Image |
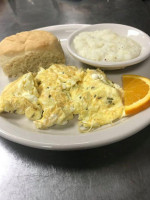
136	93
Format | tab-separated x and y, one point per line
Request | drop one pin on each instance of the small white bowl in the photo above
137	35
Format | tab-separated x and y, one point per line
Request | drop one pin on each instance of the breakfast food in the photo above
26	51
21	97
54	95
97	101
136	93
105	45
54	86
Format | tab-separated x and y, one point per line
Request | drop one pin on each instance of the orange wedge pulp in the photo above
136	93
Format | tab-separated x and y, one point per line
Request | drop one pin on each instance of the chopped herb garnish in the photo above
39	82
49	96
94	95
92	87
99	97
110	98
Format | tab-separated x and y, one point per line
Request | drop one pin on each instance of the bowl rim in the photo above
104	64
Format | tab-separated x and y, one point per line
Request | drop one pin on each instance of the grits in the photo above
106	46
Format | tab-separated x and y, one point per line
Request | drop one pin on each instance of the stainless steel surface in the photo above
119	171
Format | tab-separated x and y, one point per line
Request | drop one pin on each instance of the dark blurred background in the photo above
20	15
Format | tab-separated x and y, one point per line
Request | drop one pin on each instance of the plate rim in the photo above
77	144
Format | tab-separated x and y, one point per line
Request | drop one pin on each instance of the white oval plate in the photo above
20	130
137	35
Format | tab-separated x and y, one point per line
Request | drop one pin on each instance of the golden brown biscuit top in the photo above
27	41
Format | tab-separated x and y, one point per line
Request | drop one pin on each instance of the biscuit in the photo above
26	51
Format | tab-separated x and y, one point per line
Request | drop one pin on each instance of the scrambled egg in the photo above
21	97
54	89
96	100
54	95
